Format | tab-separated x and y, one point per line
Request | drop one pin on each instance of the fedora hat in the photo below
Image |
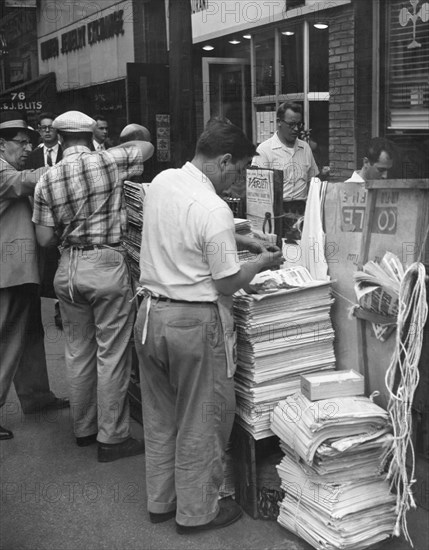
13	121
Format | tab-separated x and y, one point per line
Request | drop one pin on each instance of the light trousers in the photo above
98	324
188	407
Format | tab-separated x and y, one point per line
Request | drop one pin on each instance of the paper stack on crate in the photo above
336	493
280	335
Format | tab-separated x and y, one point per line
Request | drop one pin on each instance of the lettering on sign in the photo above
18	103
95	31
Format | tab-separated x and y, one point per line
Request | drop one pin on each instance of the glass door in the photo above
226	90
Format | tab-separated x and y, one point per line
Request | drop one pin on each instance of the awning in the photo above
32	97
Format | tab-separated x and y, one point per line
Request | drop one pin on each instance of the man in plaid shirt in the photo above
79	203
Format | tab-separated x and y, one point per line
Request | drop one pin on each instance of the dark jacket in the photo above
36	159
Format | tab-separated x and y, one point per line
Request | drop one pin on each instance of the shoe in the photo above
229	512
129	447
86	440
57	404
160	518
5	434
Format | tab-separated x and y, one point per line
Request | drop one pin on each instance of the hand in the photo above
272	259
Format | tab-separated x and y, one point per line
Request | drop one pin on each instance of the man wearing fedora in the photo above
79	203
23	359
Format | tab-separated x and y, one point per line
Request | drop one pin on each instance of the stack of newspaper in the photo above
283	331
377	291
134	195
336	494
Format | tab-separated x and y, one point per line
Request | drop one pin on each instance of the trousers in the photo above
188	405
22	348
94	291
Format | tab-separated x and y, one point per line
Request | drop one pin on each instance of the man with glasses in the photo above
50	151
285	151
22	353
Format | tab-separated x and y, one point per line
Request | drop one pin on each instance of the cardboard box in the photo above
325	385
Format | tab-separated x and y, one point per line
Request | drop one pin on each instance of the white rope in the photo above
402	378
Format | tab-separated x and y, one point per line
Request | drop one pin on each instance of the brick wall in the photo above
342	149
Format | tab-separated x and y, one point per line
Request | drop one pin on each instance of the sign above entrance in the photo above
95	31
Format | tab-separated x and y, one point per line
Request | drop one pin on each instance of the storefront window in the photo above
264	65
408	69
319	57
291	60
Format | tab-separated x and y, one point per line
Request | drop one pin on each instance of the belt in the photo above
94	246
172	300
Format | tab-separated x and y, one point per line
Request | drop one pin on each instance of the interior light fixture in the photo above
321	25
234	41
208	48
288	33
247	36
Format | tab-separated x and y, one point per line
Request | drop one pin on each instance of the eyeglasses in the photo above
45	128
23	142
293	125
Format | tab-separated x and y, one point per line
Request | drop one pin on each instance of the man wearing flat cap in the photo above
23	359
79	203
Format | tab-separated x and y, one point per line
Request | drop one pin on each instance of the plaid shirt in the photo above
82	196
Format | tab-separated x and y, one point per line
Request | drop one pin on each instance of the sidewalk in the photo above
56	496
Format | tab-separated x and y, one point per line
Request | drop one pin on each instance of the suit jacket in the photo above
36	158
19	261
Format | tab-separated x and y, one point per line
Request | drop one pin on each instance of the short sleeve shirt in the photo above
82	196
188	237
298	166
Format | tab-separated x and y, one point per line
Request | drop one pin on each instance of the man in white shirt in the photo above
376	163
184	334
100	133
285	151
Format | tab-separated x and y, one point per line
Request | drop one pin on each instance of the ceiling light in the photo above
247	36
288	33
208	48
321	25
234	41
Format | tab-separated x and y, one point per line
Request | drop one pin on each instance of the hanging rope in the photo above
402	378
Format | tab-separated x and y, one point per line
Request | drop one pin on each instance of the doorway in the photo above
226	90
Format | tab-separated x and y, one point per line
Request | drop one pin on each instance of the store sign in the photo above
18	101
95	31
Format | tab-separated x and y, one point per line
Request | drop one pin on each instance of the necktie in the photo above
49	158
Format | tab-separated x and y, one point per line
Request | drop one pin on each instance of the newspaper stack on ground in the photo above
282	332
377	291
336	494
134	194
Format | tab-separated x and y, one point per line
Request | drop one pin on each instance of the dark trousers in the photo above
22	348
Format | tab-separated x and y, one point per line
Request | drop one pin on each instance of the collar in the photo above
356	178
76	150
197	174
53	148
277	144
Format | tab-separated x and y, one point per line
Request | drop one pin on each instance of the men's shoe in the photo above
160	518
5	434
129	447
86	440
229	512
57	404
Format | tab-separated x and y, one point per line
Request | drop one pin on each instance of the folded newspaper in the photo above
377	291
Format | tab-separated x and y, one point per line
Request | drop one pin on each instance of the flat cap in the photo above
74	121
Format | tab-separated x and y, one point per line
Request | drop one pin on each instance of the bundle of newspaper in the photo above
134	195
336	494
377	290
280	335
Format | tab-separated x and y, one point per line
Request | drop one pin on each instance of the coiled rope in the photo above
402	378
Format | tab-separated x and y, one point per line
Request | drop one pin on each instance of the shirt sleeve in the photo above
261	159
219	246
15	185
42	214
314	169
129	161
